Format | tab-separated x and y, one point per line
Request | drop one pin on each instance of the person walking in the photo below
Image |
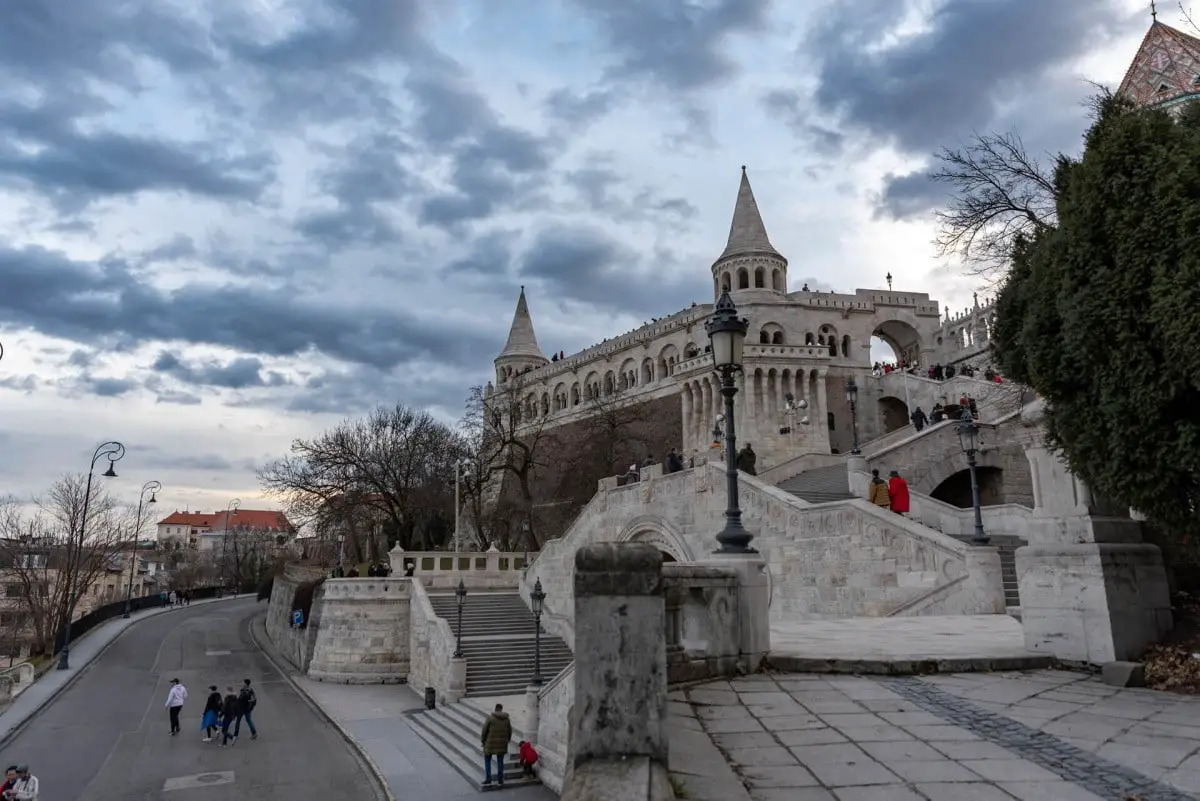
247	700
529	757
25	788
212	713
229	714
175	698
898	493
877	491
497	731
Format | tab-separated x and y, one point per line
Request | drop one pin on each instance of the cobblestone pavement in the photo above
844	738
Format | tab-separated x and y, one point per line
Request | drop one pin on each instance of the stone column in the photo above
685	399
1091	590
619	735
754	601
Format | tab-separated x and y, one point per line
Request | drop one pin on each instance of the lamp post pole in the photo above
460	595
341	540
727	333
537	597
852	399
968	438
457	505
113	451
152	487
230	510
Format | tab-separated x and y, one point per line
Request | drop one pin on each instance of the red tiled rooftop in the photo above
260	519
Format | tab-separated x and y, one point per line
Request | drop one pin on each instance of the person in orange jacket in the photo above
528	757
898	493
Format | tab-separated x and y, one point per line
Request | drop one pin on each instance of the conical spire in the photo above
747	234
521	339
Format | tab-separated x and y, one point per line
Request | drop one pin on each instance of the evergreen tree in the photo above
1101	313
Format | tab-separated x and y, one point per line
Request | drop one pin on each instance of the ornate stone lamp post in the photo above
968	440
152	487
460	595
852	399
113	451
537	598
727	333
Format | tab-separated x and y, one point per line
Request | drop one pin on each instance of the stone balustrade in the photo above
555	701
702	625
431	650
478	570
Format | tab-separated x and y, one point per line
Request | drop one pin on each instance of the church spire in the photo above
522	342
747	234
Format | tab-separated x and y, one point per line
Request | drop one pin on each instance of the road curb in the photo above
6	738
359	750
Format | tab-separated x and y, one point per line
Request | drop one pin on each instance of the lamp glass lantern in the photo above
110	472
460	594
727	333
968	434
851	392
536	598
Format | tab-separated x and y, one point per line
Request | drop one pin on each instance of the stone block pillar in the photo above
1091	590
754	603
619	736
857	475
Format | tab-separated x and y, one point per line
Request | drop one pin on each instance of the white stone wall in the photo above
431	645
703	637
554	728
293	643
363	631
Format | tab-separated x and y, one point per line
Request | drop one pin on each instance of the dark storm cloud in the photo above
677	45
933	88
109	387
242	373
585	264
85	301
579	110
606	191
490	255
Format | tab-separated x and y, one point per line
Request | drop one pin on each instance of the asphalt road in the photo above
106	738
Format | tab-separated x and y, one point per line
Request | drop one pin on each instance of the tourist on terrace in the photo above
898	493
877	491
747	460
528	757
674	463
229	713
212	714
497	731
175	699
25	788
938	413
10	778
919	419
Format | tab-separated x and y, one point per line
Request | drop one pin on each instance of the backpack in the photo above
249	700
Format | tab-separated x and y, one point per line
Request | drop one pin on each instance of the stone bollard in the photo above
619	744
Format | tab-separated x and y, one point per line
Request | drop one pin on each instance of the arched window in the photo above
743	278
777	338
777	280
726	282
764	338
758	278
647	371
846	346
808	339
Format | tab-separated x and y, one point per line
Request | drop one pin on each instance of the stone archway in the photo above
657	531
893	413
901	337
956	488
929	475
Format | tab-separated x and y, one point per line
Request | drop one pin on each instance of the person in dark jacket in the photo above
229	713
919	419
497	731
212	714
747	460
10	778
247	700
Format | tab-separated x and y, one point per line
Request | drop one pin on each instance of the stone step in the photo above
450	736
515	672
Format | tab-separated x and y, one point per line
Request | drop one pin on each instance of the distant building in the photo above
200	531
1165	71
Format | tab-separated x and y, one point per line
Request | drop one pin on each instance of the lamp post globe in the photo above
113	451
852	401
727	337
968	440
537	599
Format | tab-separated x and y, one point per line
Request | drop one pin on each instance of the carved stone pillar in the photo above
688	437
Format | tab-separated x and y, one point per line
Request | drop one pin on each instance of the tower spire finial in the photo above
1153	11
521	339
747	234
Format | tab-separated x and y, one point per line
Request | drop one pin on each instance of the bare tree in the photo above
251	555
391	461
998	193
51	558
507	432
614	432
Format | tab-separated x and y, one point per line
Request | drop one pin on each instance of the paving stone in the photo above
879	792
772	756
1048	791
943	771
778	776
836	752
876	734
791	794
714	697
803	737
886	705
789	707
763	698
977	749
851	774
1186	780
832	707
683	710
915	718
852	721
911	751
723	713
801	720
1159	755
943	733
962	791
726	725
727	741
1080	724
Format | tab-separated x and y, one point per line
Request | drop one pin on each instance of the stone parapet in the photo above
431	649
478	570
363	632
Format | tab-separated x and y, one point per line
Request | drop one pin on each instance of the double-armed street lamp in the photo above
968	440
113	451
460	595
727	335
151	487
852	399
537	600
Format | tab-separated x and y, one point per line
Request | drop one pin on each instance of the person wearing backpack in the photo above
247	700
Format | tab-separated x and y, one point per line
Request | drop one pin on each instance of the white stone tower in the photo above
521	352
750	263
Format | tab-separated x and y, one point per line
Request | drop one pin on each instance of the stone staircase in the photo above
453	731
820	485
498	642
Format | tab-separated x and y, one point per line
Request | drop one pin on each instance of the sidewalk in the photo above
372	719
84	651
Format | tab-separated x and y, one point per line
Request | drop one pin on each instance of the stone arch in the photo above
666	359
777	280
660	533
575	394
726	281
828	336
770	334
647	370
902	337
956	489
760	281
743	278
845	346
893	412
927	476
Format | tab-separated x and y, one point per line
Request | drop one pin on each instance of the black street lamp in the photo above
113	451
152	487
537	598
230	510
968	440
460	595
889	280
727	335
852	399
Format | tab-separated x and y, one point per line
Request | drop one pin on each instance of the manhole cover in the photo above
211	778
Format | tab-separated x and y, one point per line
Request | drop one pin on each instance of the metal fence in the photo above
117	608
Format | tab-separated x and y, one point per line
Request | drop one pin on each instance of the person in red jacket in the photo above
898	490
527	756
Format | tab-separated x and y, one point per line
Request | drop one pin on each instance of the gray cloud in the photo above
579	110
109	387
241	373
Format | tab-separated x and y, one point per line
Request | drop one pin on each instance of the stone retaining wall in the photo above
362	632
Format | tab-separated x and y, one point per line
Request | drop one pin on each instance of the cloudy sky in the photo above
223	229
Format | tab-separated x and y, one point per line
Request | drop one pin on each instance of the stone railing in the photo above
1006	519
554	728
701	621
431	649
900	435
363	631
478	570
797	465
